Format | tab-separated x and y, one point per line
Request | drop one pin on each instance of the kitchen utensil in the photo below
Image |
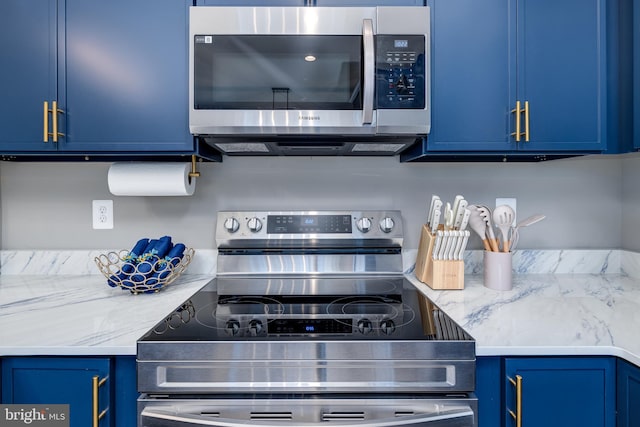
503	217
437	245
456	204
478	225
465	219
448	217
435	220
434	197
485	214
458	214
455	237
515	234
463	246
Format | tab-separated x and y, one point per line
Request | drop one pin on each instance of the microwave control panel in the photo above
400	72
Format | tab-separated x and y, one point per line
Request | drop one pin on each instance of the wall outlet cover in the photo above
102	214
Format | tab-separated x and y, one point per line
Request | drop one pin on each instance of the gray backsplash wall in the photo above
630	223
48	205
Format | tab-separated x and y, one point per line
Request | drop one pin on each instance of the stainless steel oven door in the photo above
309	411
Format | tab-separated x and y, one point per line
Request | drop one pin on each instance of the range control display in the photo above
305	224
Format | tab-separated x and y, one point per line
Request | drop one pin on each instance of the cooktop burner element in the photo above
213	316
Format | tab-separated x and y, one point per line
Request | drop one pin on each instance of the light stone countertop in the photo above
563	302
547	315
81	315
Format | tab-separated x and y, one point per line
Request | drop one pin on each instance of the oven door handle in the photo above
461	417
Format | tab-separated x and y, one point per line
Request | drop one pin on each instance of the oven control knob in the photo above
386	224
364	326
254	224
233	327
231	225
387	327
255	327
364	224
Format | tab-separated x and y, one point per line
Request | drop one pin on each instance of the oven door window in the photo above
279	72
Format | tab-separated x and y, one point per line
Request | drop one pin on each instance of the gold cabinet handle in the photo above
517	415
46	122
55	111
518	111
526	121
97	383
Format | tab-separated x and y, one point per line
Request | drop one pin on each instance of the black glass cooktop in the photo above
305	308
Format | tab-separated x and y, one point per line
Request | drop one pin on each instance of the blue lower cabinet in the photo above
560	392
488	387
628	394
126	396
78	382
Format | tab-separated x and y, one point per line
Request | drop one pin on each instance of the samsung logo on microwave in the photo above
308	118
204	39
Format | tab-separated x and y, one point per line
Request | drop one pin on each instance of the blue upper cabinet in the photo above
309	2
518	76
28	47
118	71
472	78
636	74
562	74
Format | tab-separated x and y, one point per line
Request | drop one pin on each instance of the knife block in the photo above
437	274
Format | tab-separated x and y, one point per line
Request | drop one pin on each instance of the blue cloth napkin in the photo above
145	267
128	266
164	266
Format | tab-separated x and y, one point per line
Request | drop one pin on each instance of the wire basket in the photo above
144	276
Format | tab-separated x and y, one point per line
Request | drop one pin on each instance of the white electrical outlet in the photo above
509	202
102	214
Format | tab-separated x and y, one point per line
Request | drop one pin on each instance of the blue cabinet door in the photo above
472	75
488	386
31	380
126	76
636	74
488	56
126	394
118	71
28	48
561	391
628	395
562	73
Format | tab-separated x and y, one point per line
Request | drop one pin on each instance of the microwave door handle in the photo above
368	79
453	418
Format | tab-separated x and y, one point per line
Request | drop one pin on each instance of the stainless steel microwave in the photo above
309	80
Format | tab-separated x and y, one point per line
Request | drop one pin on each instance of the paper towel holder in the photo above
194	173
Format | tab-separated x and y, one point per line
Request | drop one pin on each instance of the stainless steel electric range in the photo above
309	320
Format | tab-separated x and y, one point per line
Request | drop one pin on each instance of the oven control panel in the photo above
255	327
303	225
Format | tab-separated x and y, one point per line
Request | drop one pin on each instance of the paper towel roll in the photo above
151	179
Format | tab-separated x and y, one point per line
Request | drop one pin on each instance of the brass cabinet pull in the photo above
55	111
517	110
97	383
46	122
517	415
526	121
